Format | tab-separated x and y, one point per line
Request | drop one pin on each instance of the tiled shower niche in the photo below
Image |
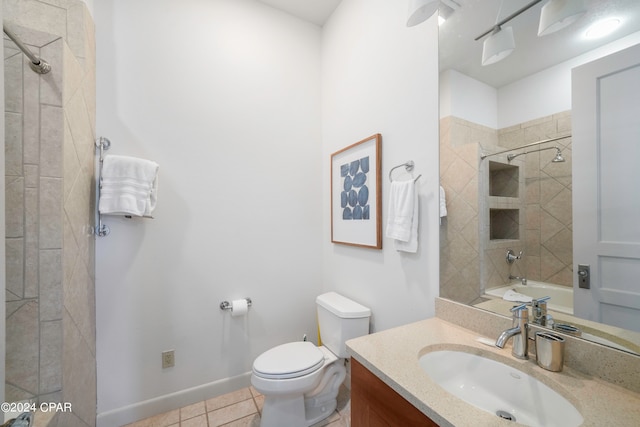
503	179
504	224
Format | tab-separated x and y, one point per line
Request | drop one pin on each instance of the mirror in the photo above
523	204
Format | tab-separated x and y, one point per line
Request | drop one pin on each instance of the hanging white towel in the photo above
399	220
129	186
402	220
443	203
412	244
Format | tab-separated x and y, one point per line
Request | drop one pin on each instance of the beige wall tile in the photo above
50	356
78	373
50	213
14	201
22	337
51	83
51	284
51	140
13	144
14	265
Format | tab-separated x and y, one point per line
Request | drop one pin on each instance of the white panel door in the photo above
606	188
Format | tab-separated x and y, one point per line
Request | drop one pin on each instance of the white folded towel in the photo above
443	203
128	186
402	220
514	296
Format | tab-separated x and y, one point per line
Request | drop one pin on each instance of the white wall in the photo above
225	96
467	98
549	91
379	76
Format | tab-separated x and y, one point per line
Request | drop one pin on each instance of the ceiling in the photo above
315	11
459	50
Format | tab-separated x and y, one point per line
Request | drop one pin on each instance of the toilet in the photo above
299	380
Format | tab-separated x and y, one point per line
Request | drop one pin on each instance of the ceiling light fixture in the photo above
602	28
421	10
498	45
558	14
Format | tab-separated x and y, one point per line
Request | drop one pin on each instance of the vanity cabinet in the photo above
375	404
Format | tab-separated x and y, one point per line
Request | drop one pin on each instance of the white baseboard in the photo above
148	408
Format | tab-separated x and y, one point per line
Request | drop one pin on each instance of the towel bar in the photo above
408	167
102	144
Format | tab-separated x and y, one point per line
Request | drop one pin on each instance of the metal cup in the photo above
550	351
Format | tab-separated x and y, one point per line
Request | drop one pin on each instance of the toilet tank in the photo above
340	319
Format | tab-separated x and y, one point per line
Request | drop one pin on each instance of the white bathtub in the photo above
561	296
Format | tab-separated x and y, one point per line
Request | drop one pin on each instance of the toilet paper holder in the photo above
226	305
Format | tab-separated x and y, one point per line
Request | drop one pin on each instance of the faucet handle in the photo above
517	308
520	313
537	301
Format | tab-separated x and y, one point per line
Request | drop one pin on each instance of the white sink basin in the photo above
499	389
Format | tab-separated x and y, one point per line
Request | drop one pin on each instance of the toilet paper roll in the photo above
239	307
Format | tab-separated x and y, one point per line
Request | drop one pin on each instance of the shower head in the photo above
558	158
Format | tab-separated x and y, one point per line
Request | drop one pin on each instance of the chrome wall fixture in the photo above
408	166
510	157
38	65
226	305
102	144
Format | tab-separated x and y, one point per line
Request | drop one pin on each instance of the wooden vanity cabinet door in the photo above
375	404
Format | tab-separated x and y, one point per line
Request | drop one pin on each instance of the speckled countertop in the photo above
392	355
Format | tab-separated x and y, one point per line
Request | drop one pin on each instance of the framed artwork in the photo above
356	188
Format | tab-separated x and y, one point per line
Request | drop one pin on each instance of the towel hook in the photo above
408	167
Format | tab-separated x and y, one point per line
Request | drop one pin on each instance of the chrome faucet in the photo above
523	280
539	312
519	332
511	257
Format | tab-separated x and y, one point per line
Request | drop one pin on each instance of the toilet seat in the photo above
291	360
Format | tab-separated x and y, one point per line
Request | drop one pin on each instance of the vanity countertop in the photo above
392	355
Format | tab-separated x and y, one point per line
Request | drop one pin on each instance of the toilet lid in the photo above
290	360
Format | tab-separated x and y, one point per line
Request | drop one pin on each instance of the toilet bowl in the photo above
299	380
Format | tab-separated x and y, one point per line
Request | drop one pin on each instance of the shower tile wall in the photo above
460	253
50	129
468	263
548	243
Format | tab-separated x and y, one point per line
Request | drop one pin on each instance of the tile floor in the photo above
237	409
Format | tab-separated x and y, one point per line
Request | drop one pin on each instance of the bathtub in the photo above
561	296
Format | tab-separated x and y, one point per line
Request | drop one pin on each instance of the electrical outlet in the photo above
168	359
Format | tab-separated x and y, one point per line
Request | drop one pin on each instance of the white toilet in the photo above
299	380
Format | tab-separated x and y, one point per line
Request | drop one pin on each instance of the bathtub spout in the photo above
523	280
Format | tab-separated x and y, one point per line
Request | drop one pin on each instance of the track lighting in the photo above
555	15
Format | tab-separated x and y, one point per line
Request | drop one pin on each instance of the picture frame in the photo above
356	194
